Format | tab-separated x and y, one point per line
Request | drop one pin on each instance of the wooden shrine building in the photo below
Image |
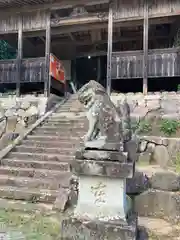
139	38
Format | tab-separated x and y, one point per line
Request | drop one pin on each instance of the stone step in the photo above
66	125
29	149
52	137
62	116
70	107
61	129
65	106
50	143
40	157
65	120
34	183
22	206
31	195
63	177
67	110
58	166
58	133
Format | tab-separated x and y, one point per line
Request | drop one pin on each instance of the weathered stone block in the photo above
171	116
10	112
96	199
103	168
161	156
139	111
151	147
169	106
103	145
153	105
156	140
21	113
61	200
144	158
143	146
131	147
85	229
156	203
101	155
173	149
25	105
165	180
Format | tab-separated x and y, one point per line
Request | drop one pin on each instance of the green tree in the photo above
6	51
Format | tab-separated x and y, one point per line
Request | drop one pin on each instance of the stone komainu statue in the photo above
106	122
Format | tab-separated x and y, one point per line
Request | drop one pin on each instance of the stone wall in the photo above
166	103
17	114
155	186
160	197
162	151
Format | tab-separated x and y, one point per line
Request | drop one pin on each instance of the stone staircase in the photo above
36	169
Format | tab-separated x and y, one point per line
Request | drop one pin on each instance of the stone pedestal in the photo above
103	210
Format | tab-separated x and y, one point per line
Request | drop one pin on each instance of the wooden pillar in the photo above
109	53
98	69
19	56
145	48
74	71
47	79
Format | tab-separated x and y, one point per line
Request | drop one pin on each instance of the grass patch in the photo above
34	226
144	126
157	127
169	127
177	163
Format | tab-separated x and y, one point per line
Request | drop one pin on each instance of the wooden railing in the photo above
32	70
161	63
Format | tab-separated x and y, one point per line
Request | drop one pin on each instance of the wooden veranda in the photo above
72	27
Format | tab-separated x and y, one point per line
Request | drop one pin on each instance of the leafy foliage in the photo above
169	127
178	87
144	126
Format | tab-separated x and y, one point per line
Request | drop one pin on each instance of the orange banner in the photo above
57	70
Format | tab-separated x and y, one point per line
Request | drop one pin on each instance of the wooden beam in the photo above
109	52
84	19
126	54
47	78
64	4
98	69
60	29
102	17
60	42
19	56
145	48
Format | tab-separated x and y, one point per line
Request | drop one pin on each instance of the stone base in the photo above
101	144
73	228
